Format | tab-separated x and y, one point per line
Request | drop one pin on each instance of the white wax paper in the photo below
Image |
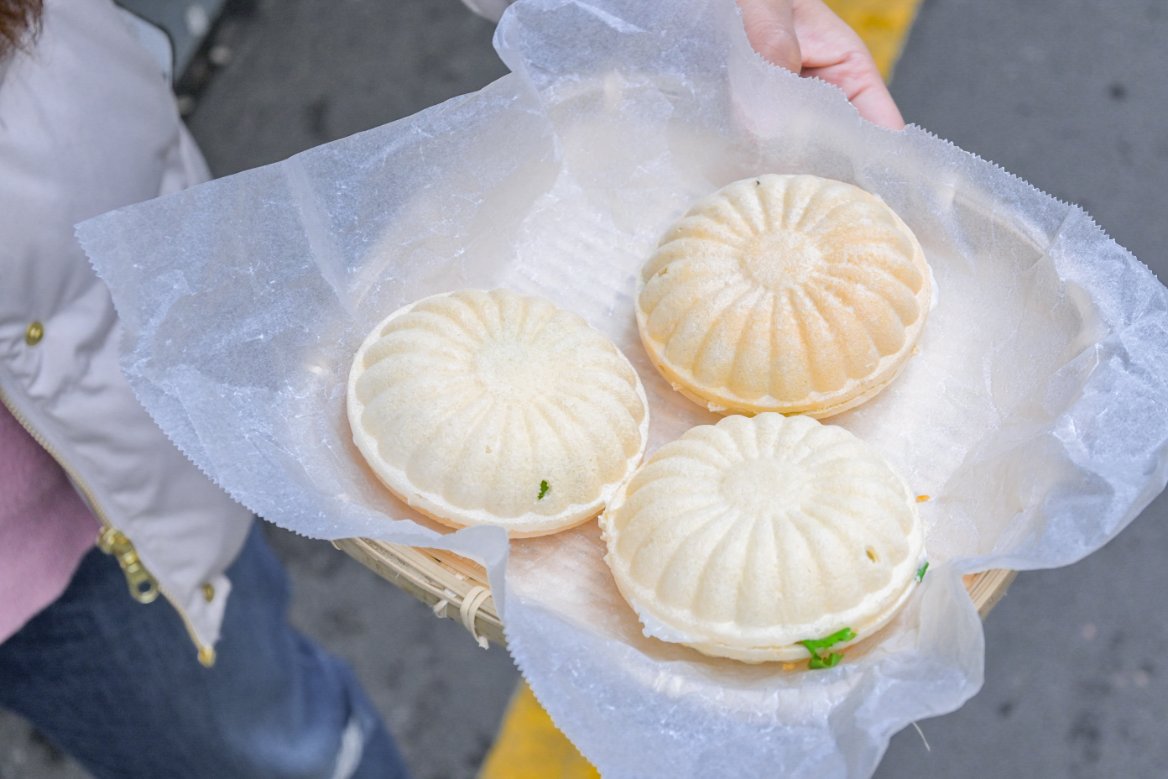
1036	414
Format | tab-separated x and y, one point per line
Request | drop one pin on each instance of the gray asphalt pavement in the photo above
1067	94
1064	93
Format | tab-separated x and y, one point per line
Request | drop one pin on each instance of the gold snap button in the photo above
34	333
208	592
206	656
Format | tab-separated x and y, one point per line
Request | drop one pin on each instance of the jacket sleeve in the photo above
490	9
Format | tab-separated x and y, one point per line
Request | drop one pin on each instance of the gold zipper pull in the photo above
143	586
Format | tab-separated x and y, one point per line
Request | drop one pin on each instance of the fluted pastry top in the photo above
743	538
795	294
494	408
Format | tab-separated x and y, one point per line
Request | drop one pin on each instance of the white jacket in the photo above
87	124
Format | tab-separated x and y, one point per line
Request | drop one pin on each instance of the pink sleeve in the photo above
45	527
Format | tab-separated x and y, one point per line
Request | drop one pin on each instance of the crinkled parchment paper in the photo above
1036	414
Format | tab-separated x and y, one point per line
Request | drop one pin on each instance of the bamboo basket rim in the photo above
457	588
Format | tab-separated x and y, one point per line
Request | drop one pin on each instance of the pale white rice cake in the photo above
796	294
492	408
743	538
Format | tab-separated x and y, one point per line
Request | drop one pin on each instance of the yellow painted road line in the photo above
528	745
883	25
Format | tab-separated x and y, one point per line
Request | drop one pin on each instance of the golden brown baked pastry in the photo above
795	294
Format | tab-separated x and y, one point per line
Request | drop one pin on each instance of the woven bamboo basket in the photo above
457	588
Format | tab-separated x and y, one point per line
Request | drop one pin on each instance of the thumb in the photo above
770	28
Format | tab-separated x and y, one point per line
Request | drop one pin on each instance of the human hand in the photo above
806	37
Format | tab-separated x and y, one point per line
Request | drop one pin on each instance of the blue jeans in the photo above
117	685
